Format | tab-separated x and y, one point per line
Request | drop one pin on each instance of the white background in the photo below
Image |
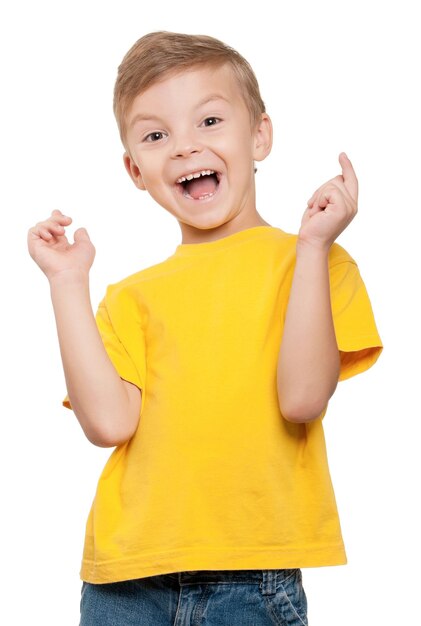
335	76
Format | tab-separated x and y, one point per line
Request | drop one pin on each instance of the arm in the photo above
107	407
309	360
308	364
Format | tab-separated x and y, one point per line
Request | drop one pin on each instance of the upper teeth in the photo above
195	175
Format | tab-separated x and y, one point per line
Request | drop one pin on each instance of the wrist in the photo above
69	277
312	249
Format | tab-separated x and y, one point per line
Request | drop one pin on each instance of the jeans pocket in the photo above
288	605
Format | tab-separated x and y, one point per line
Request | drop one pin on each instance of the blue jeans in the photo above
273	597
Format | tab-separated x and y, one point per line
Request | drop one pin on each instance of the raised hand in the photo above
51	250
331	208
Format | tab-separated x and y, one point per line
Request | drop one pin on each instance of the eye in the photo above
211	121
155	136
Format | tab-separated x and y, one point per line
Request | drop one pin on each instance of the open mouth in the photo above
199	185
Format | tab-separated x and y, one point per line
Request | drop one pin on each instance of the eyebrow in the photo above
150	117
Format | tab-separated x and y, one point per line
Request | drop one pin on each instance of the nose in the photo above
185	145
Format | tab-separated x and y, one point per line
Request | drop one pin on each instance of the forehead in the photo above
188	89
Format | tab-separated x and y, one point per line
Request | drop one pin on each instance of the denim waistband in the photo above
267	578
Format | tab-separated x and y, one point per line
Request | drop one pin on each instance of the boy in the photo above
212	370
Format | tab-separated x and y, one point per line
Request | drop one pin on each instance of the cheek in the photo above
150	167
239	144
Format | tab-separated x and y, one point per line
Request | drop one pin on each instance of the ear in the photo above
263	136
133	171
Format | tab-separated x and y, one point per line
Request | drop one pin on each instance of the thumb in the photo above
80	235
349	176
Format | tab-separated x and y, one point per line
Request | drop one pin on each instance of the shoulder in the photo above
338	255
130	287
288	243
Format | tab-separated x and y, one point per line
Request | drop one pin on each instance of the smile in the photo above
199	185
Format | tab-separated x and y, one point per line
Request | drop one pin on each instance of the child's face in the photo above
197	121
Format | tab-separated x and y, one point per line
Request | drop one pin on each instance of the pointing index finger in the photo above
348	173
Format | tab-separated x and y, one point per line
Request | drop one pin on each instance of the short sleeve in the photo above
120	329
355	328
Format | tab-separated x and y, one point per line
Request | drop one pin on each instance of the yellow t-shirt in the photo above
214	477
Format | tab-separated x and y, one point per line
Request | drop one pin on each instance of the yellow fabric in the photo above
215	478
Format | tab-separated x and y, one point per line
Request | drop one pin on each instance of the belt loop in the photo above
269	582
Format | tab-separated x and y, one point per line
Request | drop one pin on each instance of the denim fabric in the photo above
203	598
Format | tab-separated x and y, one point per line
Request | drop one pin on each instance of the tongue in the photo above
205	185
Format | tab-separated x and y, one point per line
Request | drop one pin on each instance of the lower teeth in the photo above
207	195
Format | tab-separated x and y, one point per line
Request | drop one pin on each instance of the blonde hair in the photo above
156	55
